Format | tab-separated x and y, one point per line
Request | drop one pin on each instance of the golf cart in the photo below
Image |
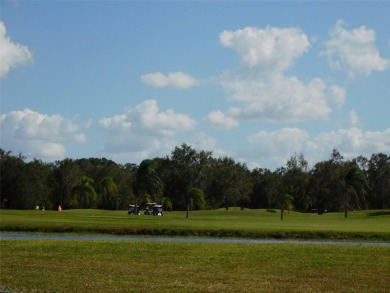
154	209
132	210
157	210
149	208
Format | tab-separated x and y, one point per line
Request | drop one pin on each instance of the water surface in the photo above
26	236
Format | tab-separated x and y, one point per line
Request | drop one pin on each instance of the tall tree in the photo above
286	203
37	190
296	181
66	174
110	198
355	185
276	189
195	198
146	181
230	184
262	181
378	173
188	169
12	180
326	185
84	195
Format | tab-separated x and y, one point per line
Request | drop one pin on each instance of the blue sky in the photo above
257	81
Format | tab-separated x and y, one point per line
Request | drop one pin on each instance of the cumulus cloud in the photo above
11	54
275	147
262	86
279	143
352	142
282	98
144	130
39	135
177	80
354	51
269	49
221	121
203	142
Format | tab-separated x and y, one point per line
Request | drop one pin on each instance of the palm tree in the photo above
287	203
195	197
84	194
147	180
355	183
109	192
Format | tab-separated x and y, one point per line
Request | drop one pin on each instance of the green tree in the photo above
278	196
378	174
187	169
296	181
166	203
275	189
230	183
286	203
146	181
326	184
262	181
23	185
195	199
124	178
110	198
355	185
12	180
37	190
64	177
83	194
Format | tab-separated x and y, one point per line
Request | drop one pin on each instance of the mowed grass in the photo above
119	266
137	266
234	222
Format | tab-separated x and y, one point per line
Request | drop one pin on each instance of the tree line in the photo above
190	179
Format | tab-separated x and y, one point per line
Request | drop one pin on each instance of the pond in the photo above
25	236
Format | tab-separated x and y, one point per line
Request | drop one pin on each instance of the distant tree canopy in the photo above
195	179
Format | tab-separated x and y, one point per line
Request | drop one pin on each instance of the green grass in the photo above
117	266
360	225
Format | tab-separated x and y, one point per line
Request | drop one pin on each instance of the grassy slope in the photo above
233	223
104	266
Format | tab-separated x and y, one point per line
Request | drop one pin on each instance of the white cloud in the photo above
276	147
39	135
221	121
148	117
11	54
144	131
269	49
116	124
354	51
261	85
352	142
353	118
279	143
204	142
178	80
282	98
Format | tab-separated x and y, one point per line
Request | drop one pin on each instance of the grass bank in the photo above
360	225
104	266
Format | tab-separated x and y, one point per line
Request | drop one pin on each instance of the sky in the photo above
257	81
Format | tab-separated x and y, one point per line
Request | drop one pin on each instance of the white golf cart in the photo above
132	210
